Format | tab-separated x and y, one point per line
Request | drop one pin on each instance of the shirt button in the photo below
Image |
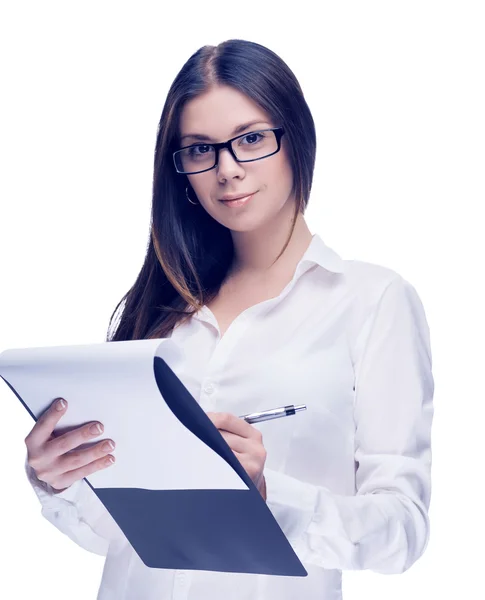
209	388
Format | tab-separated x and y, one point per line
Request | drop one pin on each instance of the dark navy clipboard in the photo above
227	530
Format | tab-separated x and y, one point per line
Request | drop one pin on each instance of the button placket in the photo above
209	388
226	344
181	585
207	399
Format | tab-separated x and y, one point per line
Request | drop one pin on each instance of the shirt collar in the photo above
321	254
316	253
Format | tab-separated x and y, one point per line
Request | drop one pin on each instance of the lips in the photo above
242	201
231	197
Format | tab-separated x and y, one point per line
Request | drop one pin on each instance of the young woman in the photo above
268	315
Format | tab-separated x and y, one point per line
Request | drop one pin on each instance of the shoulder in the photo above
367	282
370	288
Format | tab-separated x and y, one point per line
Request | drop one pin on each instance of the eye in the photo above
198	150
253	138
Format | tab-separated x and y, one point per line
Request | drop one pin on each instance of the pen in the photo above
274	413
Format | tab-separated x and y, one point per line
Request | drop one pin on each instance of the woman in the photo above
268	315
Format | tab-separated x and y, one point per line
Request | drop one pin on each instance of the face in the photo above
215	115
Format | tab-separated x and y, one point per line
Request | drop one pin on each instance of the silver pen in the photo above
274	413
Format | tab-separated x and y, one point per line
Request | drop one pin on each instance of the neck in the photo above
255	251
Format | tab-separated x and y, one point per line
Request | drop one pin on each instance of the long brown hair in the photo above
189	253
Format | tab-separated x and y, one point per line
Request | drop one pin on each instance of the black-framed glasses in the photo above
247	147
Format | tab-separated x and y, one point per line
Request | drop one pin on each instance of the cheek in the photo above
200	184
280	177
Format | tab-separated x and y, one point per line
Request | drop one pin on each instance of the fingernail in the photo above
108	446
96	428
60	404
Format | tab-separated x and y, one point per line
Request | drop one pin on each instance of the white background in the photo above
397	93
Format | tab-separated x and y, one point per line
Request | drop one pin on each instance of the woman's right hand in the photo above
51	458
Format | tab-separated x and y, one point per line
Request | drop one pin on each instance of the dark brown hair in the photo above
189	253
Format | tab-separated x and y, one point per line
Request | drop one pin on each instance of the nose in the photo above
228	167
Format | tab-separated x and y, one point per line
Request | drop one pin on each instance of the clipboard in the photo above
177	491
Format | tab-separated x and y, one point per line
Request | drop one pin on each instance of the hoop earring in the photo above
187	194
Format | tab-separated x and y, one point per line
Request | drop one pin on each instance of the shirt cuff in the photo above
46	494
291	501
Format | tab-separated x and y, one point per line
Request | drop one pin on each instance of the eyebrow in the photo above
239	129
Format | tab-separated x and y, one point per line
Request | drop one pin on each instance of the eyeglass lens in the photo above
251	146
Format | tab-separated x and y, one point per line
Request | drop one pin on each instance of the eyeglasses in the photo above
255	145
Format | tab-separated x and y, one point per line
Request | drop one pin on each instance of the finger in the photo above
72	439
77	459
230	422
68	478
46	423
236	443
239	456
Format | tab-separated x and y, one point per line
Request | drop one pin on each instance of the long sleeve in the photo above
78	513
384	527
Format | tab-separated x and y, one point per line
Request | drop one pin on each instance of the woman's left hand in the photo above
247	444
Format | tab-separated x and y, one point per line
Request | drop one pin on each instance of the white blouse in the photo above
348	480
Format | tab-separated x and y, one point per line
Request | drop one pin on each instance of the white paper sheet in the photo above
114	383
